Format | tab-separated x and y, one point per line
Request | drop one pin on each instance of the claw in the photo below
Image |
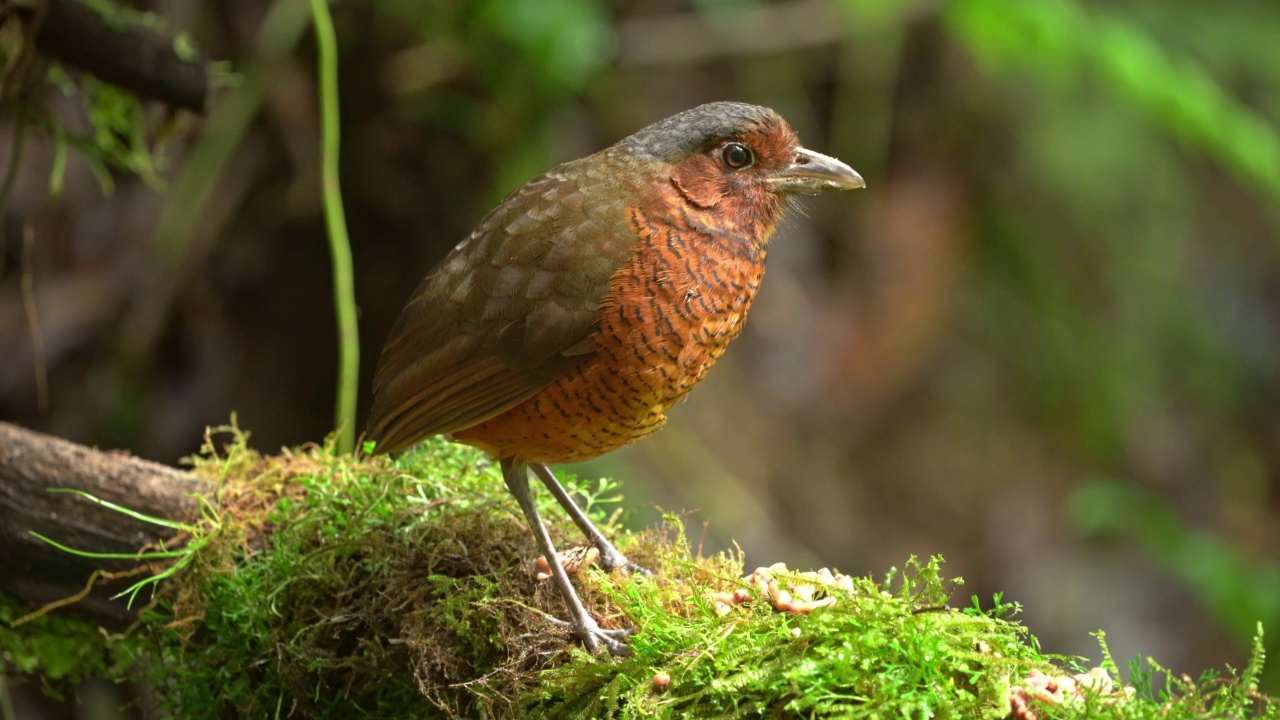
593	636
611	559
635	569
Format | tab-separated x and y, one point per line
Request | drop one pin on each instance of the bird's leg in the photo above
610	556
584	626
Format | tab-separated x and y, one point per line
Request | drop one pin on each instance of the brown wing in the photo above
506	312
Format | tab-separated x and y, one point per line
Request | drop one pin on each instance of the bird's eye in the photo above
736	156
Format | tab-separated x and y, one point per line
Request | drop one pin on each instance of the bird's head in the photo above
739	161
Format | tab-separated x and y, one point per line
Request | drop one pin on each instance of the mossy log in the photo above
313	585
33	464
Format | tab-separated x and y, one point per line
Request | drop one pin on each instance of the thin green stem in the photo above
171	524
158	555
339	245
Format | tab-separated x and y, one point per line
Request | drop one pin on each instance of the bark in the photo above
132	57
31	464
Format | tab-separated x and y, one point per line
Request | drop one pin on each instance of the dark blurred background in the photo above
1044	342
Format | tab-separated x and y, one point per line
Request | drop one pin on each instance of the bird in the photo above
590	301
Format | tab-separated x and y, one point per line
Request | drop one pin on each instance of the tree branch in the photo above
30	465
132	57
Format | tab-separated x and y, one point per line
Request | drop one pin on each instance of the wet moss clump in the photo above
388	589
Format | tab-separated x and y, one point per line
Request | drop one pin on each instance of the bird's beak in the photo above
812	172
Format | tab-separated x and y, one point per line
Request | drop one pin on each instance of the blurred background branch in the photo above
131	56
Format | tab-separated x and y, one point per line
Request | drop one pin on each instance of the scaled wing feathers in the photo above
506	312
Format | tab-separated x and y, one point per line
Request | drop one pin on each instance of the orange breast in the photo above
669	315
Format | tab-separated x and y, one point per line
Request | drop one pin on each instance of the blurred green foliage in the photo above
1138	316
1066	42
1242	593
529	58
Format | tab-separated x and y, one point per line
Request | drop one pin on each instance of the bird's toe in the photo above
611	559
594	637
635	569
613	640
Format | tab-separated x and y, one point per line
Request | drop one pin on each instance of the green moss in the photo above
872	654
365	586
63	650
329	587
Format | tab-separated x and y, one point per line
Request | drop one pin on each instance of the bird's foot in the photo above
574	559
635	569
611	559
595	637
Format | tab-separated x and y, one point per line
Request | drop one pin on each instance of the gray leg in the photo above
610	557
584	626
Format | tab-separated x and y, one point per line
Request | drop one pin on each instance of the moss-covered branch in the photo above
330	587
130	56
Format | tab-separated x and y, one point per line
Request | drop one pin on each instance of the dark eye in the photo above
736	156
